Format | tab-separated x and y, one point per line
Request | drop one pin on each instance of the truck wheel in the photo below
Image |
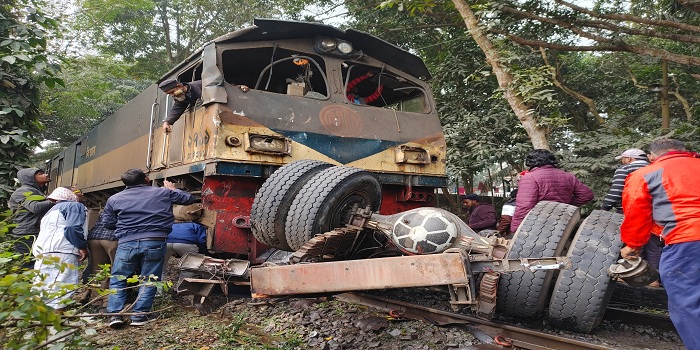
325	201
582	293
271	203
543	233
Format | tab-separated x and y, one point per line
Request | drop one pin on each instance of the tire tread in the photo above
581	294
542	233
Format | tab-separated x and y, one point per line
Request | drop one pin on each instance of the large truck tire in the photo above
325	202
581	294
272	201
543	233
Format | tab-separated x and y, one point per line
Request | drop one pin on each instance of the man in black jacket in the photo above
185	96
28	206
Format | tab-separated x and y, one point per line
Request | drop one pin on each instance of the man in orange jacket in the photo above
664	198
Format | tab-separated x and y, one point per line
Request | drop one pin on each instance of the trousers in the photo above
680	271
144	254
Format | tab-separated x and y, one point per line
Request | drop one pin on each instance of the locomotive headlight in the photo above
328	44
334	47
345	47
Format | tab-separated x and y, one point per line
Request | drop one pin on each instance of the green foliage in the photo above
96	87
27	322
156	35
24	64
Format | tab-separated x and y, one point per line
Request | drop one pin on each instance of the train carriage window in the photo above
191	74
276	70
374	86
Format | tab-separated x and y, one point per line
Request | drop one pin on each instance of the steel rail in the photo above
500	334
657	321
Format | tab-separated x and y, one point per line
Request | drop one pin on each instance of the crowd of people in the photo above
135	233
658	195
656	192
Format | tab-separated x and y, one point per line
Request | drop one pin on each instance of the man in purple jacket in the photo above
545	182
481	216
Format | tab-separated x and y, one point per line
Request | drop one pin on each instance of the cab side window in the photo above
374	86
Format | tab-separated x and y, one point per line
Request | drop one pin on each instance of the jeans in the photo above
680	272
143	254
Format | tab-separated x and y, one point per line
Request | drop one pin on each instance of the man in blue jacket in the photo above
186	237
142	217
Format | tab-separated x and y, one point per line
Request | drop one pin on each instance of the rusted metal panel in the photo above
231	197
391	203
381	273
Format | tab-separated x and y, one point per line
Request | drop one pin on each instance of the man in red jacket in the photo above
545	182
664	198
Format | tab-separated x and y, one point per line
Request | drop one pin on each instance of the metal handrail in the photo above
150	134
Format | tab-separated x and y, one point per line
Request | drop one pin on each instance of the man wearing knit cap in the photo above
62	240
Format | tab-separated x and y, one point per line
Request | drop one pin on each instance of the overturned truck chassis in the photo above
320	266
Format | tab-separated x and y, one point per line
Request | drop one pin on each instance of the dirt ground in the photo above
239	322
288	324
244	323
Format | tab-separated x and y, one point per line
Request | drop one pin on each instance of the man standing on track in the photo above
664	197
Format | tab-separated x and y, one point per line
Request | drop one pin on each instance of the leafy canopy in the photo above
24	64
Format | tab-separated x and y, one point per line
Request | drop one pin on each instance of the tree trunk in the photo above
537	135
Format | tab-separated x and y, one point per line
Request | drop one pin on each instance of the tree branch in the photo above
426	26
538	43
587	100
631	18
537	134
166	31
619	46
560	23
690	5
682	100
662	54
53	340
640	32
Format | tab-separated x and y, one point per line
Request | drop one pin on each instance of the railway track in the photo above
493	335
